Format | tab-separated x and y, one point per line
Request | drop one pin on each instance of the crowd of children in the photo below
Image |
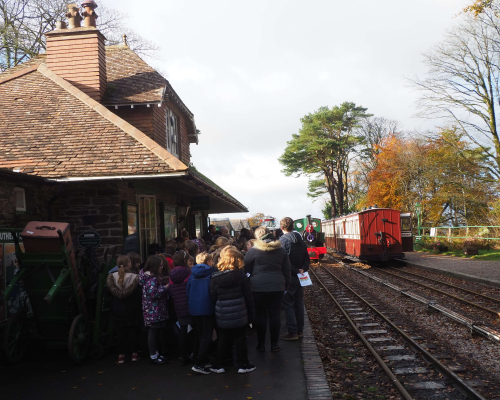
192	296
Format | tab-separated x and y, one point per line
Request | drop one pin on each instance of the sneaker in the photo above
275	347
290	336
121	359
300	334
261	348
158	360
201	370
217	370
135	357
246	368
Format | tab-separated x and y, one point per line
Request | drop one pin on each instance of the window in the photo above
170	222
172	138
147	222
131	219
20	199
197	224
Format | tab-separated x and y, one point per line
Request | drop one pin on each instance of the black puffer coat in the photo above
231	292
269	266
126	300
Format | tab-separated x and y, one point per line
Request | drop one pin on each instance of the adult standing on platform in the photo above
269	268
209	236
293	300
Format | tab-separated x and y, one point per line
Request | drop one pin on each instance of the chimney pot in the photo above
89	13
61	25
74	16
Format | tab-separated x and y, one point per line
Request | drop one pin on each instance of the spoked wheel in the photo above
15	342
79	339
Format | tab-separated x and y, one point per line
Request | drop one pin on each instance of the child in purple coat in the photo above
154	303
179	277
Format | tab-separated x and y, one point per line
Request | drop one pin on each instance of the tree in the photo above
451	189
322	150
256	220
23	24
462	85
479	6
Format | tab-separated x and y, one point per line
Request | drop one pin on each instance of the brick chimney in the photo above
77	54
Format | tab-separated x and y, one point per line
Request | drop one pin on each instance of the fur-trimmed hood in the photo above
124	290
267	246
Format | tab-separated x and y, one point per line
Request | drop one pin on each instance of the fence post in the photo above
467	231
449	235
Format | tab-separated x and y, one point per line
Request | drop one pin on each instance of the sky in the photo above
249	71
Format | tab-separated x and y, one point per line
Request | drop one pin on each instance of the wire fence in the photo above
459	232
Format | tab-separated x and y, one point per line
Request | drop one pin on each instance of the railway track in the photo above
414	371
483	302
471	323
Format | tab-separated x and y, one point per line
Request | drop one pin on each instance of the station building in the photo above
94	136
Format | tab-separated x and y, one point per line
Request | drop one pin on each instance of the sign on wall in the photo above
200	203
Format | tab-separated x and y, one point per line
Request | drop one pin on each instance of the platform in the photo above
286	375
484	272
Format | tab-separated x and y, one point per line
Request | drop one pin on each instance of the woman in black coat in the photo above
269	268
234	308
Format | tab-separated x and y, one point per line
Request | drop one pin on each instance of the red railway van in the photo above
375	234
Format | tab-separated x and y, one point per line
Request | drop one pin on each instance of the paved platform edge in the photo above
458	275
317	385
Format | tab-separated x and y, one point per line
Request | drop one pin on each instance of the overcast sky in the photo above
250	70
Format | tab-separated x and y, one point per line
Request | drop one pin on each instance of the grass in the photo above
484	255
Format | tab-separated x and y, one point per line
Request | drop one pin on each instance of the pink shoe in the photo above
121	359
135	357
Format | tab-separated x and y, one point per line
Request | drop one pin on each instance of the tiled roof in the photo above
52	129
133	81
245	224
130	79
236	224
222	222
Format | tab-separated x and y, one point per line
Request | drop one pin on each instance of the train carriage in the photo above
375	234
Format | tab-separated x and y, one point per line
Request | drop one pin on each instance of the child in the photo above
234	308
126	307
154	303
177	289
201	307
191	247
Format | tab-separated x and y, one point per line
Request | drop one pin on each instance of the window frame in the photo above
143	197
23	192
172	131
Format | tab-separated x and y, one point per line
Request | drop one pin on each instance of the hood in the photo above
201	270
228	278
264	246
179	274
145	276
291	236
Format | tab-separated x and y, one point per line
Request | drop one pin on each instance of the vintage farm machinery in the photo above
68	308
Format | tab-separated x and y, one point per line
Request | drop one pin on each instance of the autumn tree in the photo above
452	189
256	220
322	151
23	24
462	84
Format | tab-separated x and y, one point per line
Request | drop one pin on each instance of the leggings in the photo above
152	340
267	304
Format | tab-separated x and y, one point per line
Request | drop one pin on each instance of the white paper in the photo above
304	279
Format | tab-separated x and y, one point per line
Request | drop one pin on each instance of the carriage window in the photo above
405	224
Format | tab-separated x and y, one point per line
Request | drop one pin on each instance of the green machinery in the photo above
65	312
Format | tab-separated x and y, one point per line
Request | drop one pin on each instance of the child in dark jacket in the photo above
179	277
234	308
201	307
126	307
